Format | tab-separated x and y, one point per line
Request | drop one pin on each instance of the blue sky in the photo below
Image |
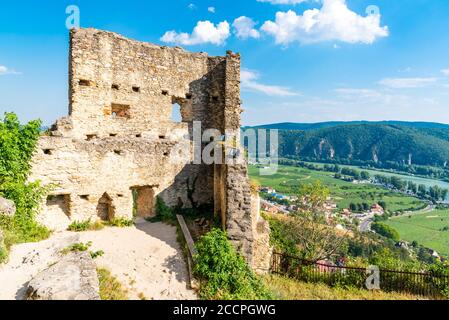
302	60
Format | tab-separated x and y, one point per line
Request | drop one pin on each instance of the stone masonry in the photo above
119	148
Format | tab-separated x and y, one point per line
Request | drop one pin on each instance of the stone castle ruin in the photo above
112	156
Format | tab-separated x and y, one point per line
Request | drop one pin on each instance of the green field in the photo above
426	228
288	180
418	180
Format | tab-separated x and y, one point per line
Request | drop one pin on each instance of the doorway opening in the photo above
144	202
105	210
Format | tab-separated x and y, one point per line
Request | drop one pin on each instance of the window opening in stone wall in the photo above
165	92
86	83
48	152
105	210
176	113
113	134
115	87
215	98
118	152
59	203
120	111
84	197
188	96
138	135
90	137
136	89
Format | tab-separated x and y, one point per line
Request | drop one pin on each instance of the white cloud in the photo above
283	1
191	6
333	22
249	81
445	72
244	28
406	83
5	70
211	9
204	32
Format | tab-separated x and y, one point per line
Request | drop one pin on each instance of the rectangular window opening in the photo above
136	89
86	83
115	87
90	137
120	111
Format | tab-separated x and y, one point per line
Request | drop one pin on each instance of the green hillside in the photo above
404	143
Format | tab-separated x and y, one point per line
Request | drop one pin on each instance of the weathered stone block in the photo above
74	277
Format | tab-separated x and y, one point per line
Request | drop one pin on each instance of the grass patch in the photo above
88	225
82	247
110	287
289	289
120	222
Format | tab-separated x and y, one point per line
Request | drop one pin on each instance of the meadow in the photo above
427	228
289	179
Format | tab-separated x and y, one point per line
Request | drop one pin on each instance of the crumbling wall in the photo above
120	137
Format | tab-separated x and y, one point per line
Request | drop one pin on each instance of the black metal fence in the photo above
422	284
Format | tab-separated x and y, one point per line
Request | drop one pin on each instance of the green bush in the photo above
224	274
163	212
385	230
17	146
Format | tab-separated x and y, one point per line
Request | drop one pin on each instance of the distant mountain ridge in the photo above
321	125
406	143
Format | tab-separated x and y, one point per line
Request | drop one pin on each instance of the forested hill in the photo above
321	125
399	142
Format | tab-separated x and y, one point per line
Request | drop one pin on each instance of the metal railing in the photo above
416	283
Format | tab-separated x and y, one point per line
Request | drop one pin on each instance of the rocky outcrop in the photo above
7	207
74	277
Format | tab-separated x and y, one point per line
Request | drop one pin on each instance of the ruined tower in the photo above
119	148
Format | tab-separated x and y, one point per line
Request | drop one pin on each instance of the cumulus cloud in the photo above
283	1
244	28
204	32
211	9
406	83
249	82
5	70
333	22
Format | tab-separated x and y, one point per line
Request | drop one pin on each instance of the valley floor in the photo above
146	259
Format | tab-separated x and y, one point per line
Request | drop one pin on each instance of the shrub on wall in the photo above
223	273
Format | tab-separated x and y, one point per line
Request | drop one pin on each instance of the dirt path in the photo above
145	258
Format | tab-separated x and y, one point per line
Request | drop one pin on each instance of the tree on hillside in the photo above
317	239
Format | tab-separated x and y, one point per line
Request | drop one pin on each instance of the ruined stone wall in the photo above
119	148
120	136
